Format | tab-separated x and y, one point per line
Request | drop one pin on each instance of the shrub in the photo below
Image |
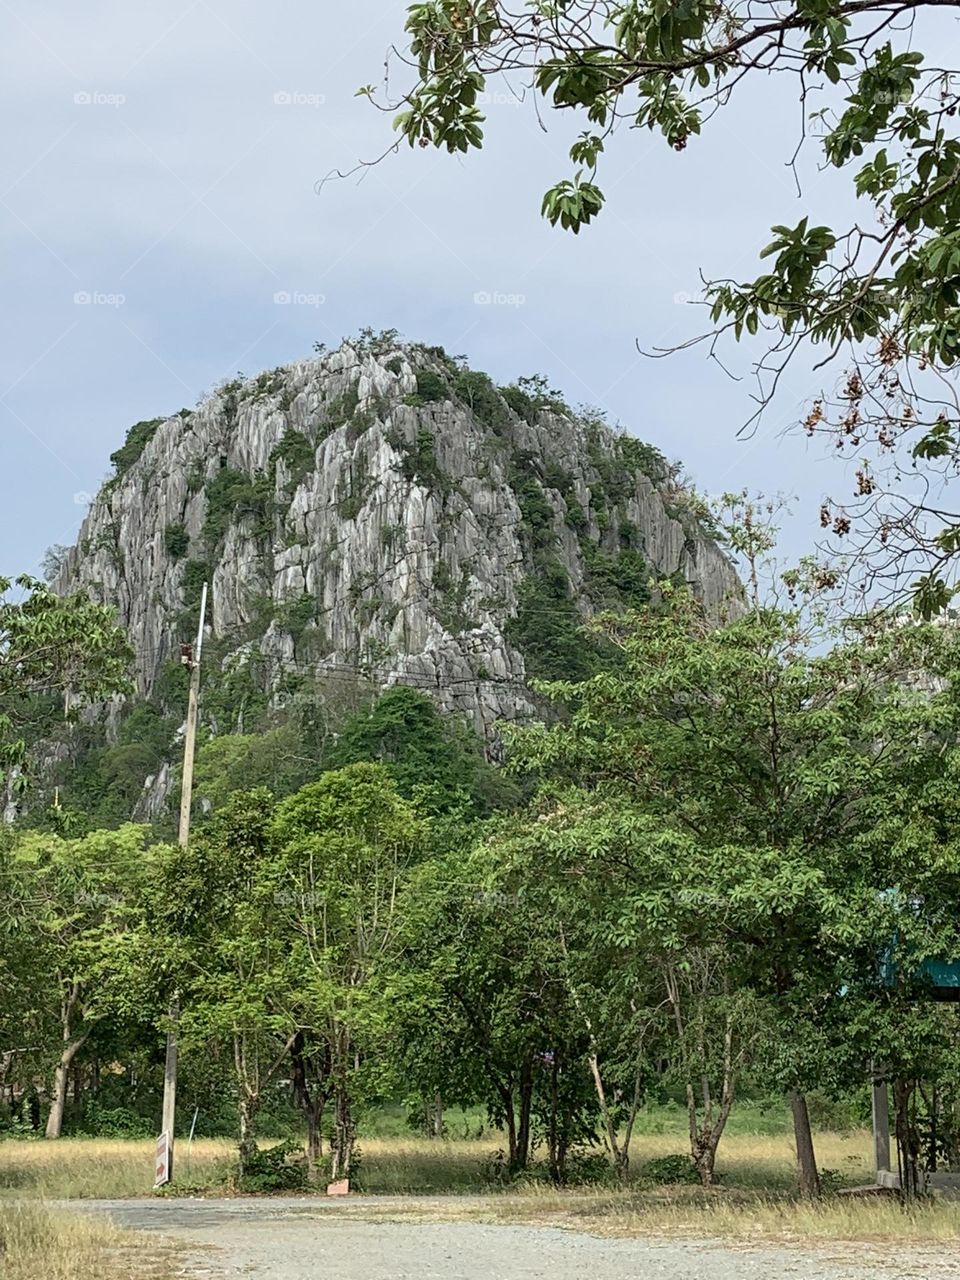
138	437
590	1169
341	410
280	1168
430	387
616	580
176	541
480	395
420	463
547	628
111	1122
298	454
667	1171
233	495
536	510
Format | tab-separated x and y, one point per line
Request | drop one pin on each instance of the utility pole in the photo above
190	657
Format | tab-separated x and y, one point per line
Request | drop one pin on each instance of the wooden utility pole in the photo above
191	659
881	1123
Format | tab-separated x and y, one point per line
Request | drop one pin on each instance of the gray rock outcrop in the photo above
378	510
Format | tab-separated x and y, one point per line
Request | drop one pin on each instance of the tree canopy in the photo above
56	653
878	297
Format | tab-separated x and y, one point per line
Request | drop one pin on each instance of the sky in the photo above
163	230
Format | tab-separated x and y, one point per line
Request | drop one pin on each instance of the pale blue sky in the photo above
166	153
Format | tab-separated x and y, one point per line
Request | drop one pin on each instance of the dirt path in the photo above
294	1239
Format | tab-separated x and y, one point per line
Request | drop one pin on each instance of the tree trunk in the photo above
510	1119
62	1074
312	1104
554	1152
908	1142
249	1105
436	1116
343	1133
523	1129
58	1101
806	1156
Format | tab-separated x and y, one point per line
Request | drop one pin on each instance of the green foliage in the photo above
278	759
298	454
620	581
281	1167
420	463
666	1171
450	604
536	511
548	628
528	397
478	393
342	409
176	541
433	758
66	647
430	388
138	437
110	1122
232	496
880	294
359	484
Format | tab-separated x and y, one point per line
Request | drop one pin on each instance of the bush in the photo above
176	541
280	1168
480	395
547	628
590	1169
298	454
668	1171
430	387
111	1122
138	437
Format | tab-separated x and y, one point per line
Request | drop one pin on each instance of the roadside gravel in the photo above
301	1239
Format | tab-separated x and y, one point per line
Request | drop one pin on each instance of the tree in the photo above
76	909
215	919
52	647
344	848
278	759
434	757
769	760
880	296
483	1006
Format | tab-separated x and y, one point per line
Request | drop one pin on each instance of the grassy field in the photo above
755	1198
38	1245
396	1163
109	1168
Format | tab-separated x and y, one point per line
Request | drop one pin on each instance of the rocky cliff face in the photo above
381	510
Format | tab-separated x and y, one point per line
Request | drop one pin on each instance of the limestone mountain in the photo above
383	513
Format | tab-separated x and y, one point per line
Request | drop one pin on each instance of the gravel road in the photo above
296	1239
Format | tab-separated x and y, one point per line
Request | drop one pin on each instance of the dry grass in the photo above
101	1168
754	1201
38	1245
739	1216
78	1168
